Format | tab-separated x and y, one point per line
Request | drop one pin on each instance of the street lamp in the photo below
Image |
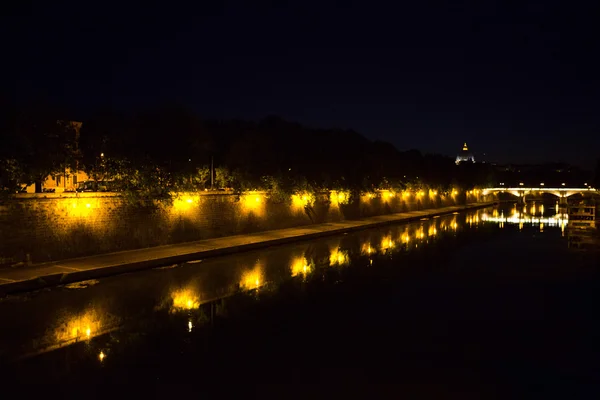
542	184
563	184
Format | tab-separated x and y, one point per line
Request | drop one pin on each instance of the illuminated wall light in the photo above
339	197
253	204
183	204
301	200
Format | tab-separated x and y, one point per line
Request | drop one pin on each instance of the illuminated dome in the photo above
464	155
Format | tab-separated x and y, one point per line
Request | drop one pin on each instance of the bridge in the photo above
522	192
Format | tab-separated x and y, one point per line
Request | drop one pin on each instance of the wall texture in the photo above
53	227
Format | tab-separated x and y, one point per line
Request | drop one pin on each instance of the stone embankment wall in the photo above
54	227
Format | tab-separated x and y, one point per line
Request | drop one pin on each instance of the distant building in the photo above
464	155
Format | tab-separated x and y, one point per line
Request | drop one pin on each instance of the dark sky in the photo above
517	80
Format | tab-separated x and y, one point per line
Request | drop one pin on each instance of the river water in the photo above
476	303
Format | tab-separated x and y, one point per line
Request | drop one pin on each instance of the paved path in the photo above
77	269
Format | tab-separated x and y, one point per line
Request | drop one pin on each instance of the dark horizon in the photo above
517	84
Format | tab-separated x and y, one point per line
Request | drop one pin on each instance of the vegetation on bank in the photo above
153	153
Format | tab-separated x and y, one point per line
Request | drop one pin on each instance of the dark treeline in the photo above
157	151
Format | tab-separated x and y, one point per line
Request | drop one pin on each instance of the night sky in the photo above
516	80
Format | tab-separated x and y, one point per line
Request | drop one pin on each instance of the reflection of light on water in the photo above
405	237
387	243
300	266
366	249
432	230
253	278
338	257
79	327
185	299
516	219
454	223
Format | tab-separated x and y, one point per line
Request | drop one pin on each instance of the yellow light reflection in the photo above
79	327
366	249
432	230
185	299
338	257
253	278
387	243
454	224
406	237
300	266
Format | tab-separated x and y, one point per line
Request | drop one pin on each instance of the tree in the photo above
36	145
597	174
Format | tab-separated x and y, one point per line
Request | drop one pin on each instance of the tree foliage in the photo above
157	151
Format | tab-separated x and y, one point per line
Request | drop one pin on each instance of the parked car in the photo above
96	186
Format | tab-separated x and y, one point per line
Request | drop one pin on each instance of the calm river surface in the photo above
482	303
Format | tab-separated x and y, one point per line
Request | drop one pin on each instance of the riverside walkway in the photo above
38	276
